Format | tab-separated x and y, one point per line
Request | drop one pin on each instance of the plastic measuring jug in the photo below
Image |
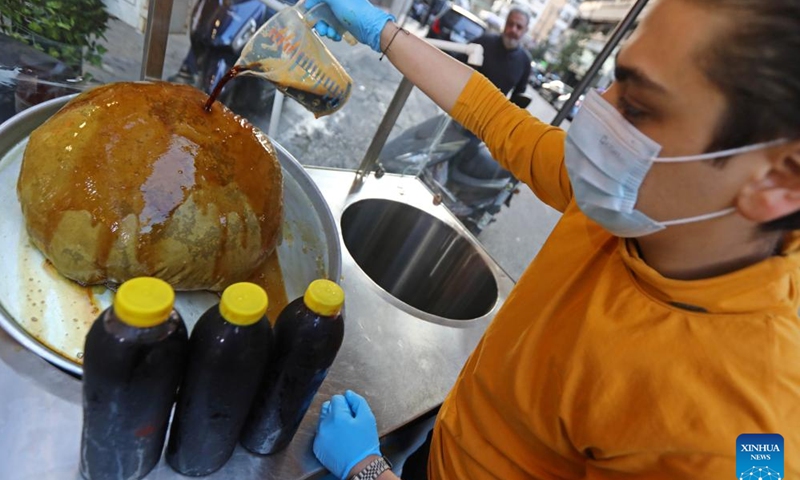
289	53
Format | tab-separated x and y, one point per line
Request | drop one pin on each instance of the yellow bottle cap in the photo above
144	302
243	303
324	297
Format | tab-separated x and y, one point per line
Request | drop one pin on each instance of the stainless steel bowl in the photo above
419	259
50	315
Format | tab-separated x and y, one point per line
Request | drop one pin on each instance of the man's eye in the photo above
629	111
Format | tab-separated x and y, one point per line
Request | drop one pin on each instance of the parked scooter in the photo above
456	166
218	32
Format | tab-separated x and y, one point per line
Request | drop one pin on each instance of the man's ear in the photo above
776	192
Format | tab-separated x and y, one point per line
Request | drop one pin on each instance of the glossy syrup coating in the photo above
136	179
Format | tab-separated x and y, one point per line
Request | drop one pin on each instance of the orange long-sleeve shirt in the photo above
597	367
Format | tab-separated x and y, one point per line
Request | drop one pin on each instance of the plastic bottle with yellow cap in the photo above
228	352
133	362
308	334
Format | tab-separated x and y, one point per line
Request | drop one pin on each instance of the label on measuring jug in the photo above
288	53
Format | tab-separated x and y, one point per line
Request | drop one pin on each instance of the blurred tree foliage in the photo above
69	30
570	52
538	51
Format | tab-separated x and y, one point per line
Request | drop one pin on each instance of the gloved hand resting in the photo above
346	434
359	17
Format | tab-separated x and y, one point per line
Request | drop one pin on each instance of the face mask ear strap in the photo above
699	218
722	153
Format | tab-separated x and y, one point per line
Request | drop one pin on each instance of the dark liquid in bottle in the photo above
226	366
130	380
305	346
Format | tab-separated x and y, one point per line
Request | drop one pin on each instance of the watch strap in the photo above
373	470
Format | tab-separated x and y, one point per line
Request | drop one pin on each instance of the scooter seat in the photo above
460	180
475	161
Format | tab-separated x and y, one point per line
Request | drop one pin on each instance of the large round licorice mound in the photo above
137	179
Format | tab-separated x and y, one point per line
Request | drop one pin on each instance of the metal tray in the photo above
50	315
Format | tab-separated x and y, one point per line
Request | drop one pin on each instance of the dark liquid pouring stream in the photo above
236	70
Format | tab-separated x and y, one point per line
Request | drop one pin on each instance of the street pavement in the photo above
340	140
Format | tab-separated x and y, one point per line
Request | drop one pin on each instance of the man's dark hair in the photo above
756	66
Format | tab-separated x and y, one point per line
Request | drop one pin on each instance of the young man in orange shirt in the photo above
659	321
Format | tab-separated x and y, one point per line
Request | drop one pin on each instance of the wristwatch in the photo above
373	470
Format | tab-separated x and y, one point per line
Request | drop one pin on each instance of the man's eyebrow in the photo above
626	74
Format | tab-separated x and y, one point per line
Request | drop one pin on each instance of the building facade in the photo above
599	18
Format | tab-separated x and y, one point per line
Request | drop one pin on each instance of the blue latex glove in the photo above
359	17
346	434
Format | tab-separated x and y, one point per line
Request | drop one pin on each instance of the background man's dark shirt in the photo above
507	69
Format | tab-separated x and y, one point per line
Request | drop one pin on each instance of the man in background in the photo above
505	63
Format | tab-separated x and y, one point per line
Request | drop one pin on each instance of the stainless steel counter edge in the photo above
402	360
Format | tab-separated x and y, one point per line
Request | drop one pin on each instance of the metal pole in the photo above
389	119
619	33
402	15
427	18
277	100
155	39
275	116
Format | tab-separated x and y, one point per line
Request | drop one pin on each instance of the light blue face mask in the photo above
607	159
